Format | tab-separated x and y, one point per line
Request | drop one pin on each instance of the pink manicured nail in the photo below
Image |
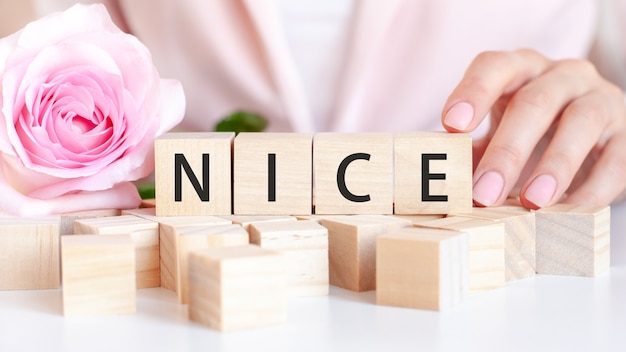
488	188
541	190
459	116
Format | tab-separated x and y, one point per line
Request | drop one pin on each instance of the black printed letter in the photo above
427	176
341	177
180	162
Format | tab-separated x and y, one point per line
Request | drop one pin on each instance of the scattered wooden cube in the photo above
66	224
421	268
29	253
144	234
573	240
98	274
237	287
352	248
418	219
433	173
178	241
353	173
148	203
272	173
192	173
245	220
519	243
305	246
486	249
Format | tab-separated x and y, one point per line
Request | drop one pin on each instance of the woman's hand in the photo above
559	124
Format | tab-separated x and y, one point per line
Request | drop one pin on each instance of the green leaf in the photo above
242	121
146	190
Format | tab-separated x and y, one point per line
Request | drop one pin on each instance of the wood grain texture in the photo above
98	275
457	186
237	287
29	253
178	241
144	234
372	177
520	241
218	146
293	169
486	249
305	247
573	240
421	268
352	248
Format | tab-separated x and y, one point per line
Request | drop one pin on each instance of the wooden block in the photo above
272	173
66	224
237	287
148	203
177	221
421	268
192	173
29	253
305	246
519	243
245	220
317	218
144	234
486	249
352	248
573	240
418	219
178	241
353	173
433	173
98	275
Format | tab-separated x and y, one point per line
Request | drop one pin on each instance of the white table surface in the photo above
544	313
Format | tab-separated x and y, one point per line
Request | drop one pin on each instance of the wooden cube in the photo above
237	287
305	246
192	173
272	173
353	173
573	240
29	253
178	241
433	173
144	234
418	219
486	249
520	240
352	248
66	224
421	268
98	274
246	220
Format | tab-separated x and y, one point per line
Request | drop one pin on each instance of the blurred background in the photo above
15	14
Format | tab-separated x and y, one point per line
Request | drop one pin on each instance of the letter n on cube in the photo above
192	173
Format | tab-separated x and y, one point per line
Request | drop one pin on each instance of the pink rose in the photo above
81	106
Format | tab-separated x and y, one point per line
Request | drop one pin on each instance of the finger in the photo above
607	179
490	76
529	115
583	123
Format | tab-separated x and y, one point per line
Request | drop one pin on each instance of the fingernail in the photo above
488	188
459	116
541	190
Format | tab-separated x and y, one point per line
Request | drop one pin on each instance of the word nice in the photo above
301	174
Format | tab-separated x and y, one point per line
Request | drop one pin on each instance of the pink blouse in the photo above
402	58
